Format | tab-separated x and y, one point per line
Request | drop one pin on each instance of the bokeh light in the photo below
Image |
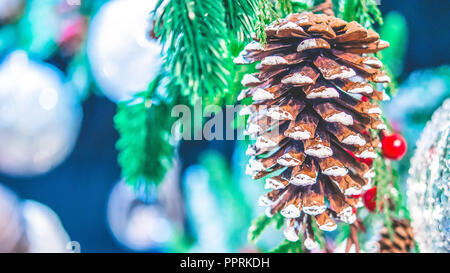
39	116
138	224
122	57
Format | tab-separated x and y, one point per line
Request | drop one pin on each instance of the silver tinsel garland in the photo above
428	184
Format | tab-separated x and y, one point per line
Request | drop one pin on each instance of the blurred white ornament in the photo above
40	117
138	224
29	226
123	59
9	9
12	227
44	230
428	184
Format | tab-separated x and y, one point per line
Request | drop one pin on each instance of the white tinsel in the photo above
428	184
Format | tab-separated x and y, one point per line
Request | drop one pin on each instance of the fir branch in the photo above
266	14
284	7
240	16
318	235
386	182
145	149
261	223
257	227
288	247
343	233
195	47
298	7
365	12
279	220
395	31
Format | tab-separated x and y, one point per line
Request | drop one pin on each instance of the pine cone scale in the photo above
402	240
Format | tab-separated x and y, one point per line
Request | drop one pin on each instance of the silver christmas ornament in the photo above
12	224
139	224
29	226
428	184
9	9
40	116
123	58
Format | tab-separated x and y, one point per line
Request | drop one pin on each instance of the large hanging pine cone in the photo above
311	107
402	240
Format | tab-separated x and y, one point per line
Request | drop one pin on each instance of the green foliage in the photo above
343	233
389	201
261	223
270	10
90	7
318	234
284	7
300	7
288	247
386	181
266	14
258	226
145	149
278	220
365	12
240	17
199	38
194	35
395	31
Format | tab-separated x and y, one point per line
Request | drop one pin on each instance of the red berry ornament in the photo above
393	146
369	198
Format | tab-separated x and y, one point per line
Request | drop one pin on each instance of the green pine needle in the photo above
266	14
285	7
258	226
288	247
195	36
240	16
365	12
145	149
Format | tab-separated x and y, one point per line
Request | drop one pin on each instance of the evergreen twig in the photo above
261	223
145	148
258	226
240	16
365	12
288	247
195	47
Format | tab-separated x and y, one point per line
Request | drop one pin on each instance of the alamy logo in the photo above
215	123
73	247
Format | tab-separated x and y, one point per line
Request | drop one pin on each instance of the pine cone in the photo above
312	106
402	241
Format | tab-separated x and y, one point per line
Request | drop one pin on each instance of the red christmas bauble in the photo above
369	198
393	146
